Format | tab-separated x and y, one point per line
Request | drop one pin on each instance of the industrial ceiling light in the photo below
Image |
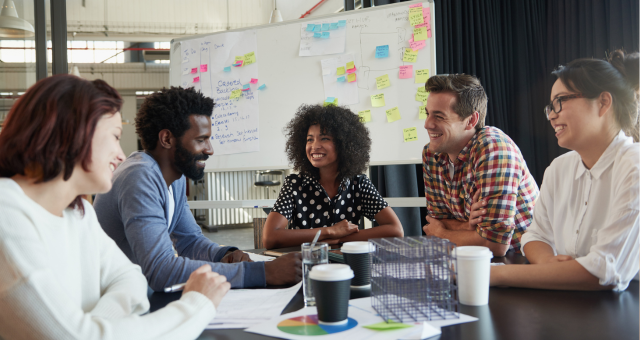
275	15
11	26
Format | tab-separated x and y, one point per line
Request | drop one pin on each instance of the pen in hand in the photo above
175	288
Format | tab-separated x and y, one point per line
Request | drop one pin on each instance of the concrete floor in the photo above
237	237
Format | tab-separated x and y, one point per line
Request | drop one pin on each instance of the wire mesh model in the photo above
413	279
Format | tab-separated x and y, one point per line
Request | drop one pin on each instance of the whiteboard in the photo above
292	80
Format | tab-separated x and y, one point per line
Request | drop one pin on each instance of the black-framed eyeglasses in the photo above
556	104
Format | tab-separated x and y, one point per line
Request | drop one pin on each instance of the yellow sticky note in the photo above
365	116
420	33
410	55
377	100
422	114
340	71
422	76
235	94
422	97
249	58
410	134
415	16
393	115
240	58
351	77
383	81
350	65
422	89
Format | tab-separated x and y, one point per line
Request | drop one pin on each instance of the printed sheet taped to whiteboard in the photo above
235	121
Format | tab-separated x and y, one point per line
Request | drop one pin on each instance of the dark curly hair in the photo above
169	109
350	137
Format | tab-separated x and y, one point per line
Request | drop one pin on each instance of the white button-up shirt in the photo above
593	214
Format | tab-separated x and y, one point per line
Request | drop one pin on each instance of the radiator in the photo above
234	185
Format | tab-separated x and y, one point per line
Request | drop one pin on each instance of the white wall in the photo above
293	9
129	140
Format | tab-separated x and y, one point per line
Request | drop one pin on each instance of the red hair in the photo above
49	129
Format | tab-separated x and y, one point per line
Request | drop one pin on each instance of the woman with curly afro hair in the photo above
329	147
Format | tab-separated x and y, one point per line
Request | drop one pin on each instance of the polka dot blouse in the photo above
303	201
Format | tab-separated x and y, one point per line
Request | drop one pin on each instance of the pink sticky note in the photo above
196	79
194	70
411	40
351	70
429	32
418	45
416	5
426	13
406	72
254	81
203	68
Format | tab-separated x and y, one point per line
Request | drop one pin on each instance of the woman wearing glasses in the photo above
584	234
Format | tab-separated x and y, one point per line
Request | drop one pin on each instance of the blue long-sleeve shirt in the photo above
135	214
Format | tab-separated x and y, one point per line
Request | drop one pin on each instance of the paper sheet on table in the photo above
346	92
259	258
333	43
361	311
243	306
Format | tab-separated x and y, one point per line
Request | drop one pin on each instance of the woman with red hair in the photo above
61	276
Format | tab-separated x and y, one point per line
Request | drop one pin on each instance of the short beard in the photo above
185	161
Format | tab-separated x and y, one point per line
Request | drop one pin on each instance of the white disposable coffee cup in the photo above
474	268
330	284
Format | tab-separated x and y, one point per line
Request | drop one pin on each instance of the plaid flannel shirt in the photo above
492	163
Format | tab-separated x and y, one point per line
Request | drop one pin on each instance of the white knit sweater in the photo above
64	278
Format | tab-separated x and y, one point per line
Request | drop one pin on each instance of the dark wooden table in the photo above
512	313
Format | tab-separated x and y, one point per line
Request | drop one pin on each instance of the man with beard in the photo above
146	212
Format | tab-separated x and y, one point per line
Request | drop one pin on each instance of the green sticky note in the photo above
330	101
410	134
422	76
350	65
377	100
249	58
422	97
393	115
235	94
340	71
387	326
422	114
365	116
420	33
383	81
415	16
410	55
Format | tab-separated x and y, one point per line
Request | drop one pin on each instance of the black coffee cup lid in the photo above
360	247
331	272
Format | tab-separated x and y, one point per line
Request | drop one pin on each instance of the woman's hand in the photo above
209	283
342	229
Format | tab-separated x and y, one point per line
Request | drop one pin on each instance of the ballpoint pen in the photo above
175	288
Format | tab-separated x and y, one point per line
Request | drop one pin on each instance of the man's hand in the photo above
342	229
477	211
433	227
284	270
208	283
235	256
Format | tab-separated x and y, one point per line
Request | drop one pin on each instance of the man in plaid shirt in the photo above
479	190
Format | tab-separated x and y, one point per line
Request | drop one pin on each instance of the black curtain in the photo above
512	46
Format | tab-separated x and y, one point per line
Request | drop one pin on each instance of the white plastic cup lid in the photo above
331	272
360	247
473	252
